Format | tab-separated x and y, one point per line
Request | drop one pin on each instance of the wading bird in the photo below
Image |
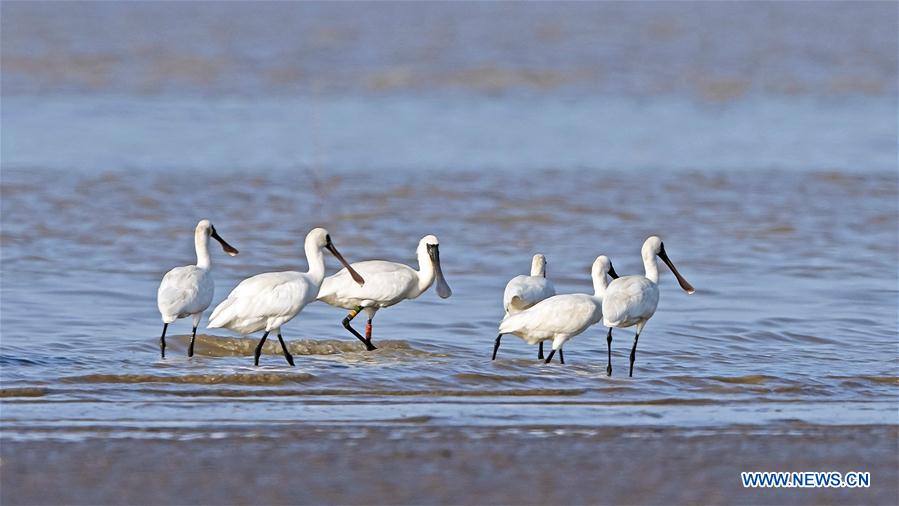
386	284
187	291
632	300
523	292
561	317
269	300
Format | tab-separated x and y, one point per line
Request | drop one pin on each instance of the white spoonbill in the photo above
561	317
269	300
187	291
386	284
523	292
632	300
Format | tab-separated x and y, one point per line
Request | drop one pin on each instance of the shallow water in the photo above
763	152
766	337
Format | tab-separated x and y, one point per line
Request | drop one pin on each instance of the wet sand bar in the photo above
424	465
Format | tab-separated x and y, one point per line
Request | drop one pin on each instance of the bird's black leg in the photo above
496	346
346	324
550	356
287	354
540	351
609	344
368	331
259	348
561	357
634	354
162	340
193	337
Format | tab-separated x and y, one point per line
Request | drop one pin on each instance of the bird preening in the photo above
532	309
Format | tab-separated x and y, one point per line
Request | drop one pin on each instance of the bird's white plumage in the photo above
264	302
269	300
386	283
184	291
558	318
561	317
523	292
629	300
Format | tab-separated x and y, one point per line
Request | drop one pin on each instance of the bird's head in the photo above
430	246
207	230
